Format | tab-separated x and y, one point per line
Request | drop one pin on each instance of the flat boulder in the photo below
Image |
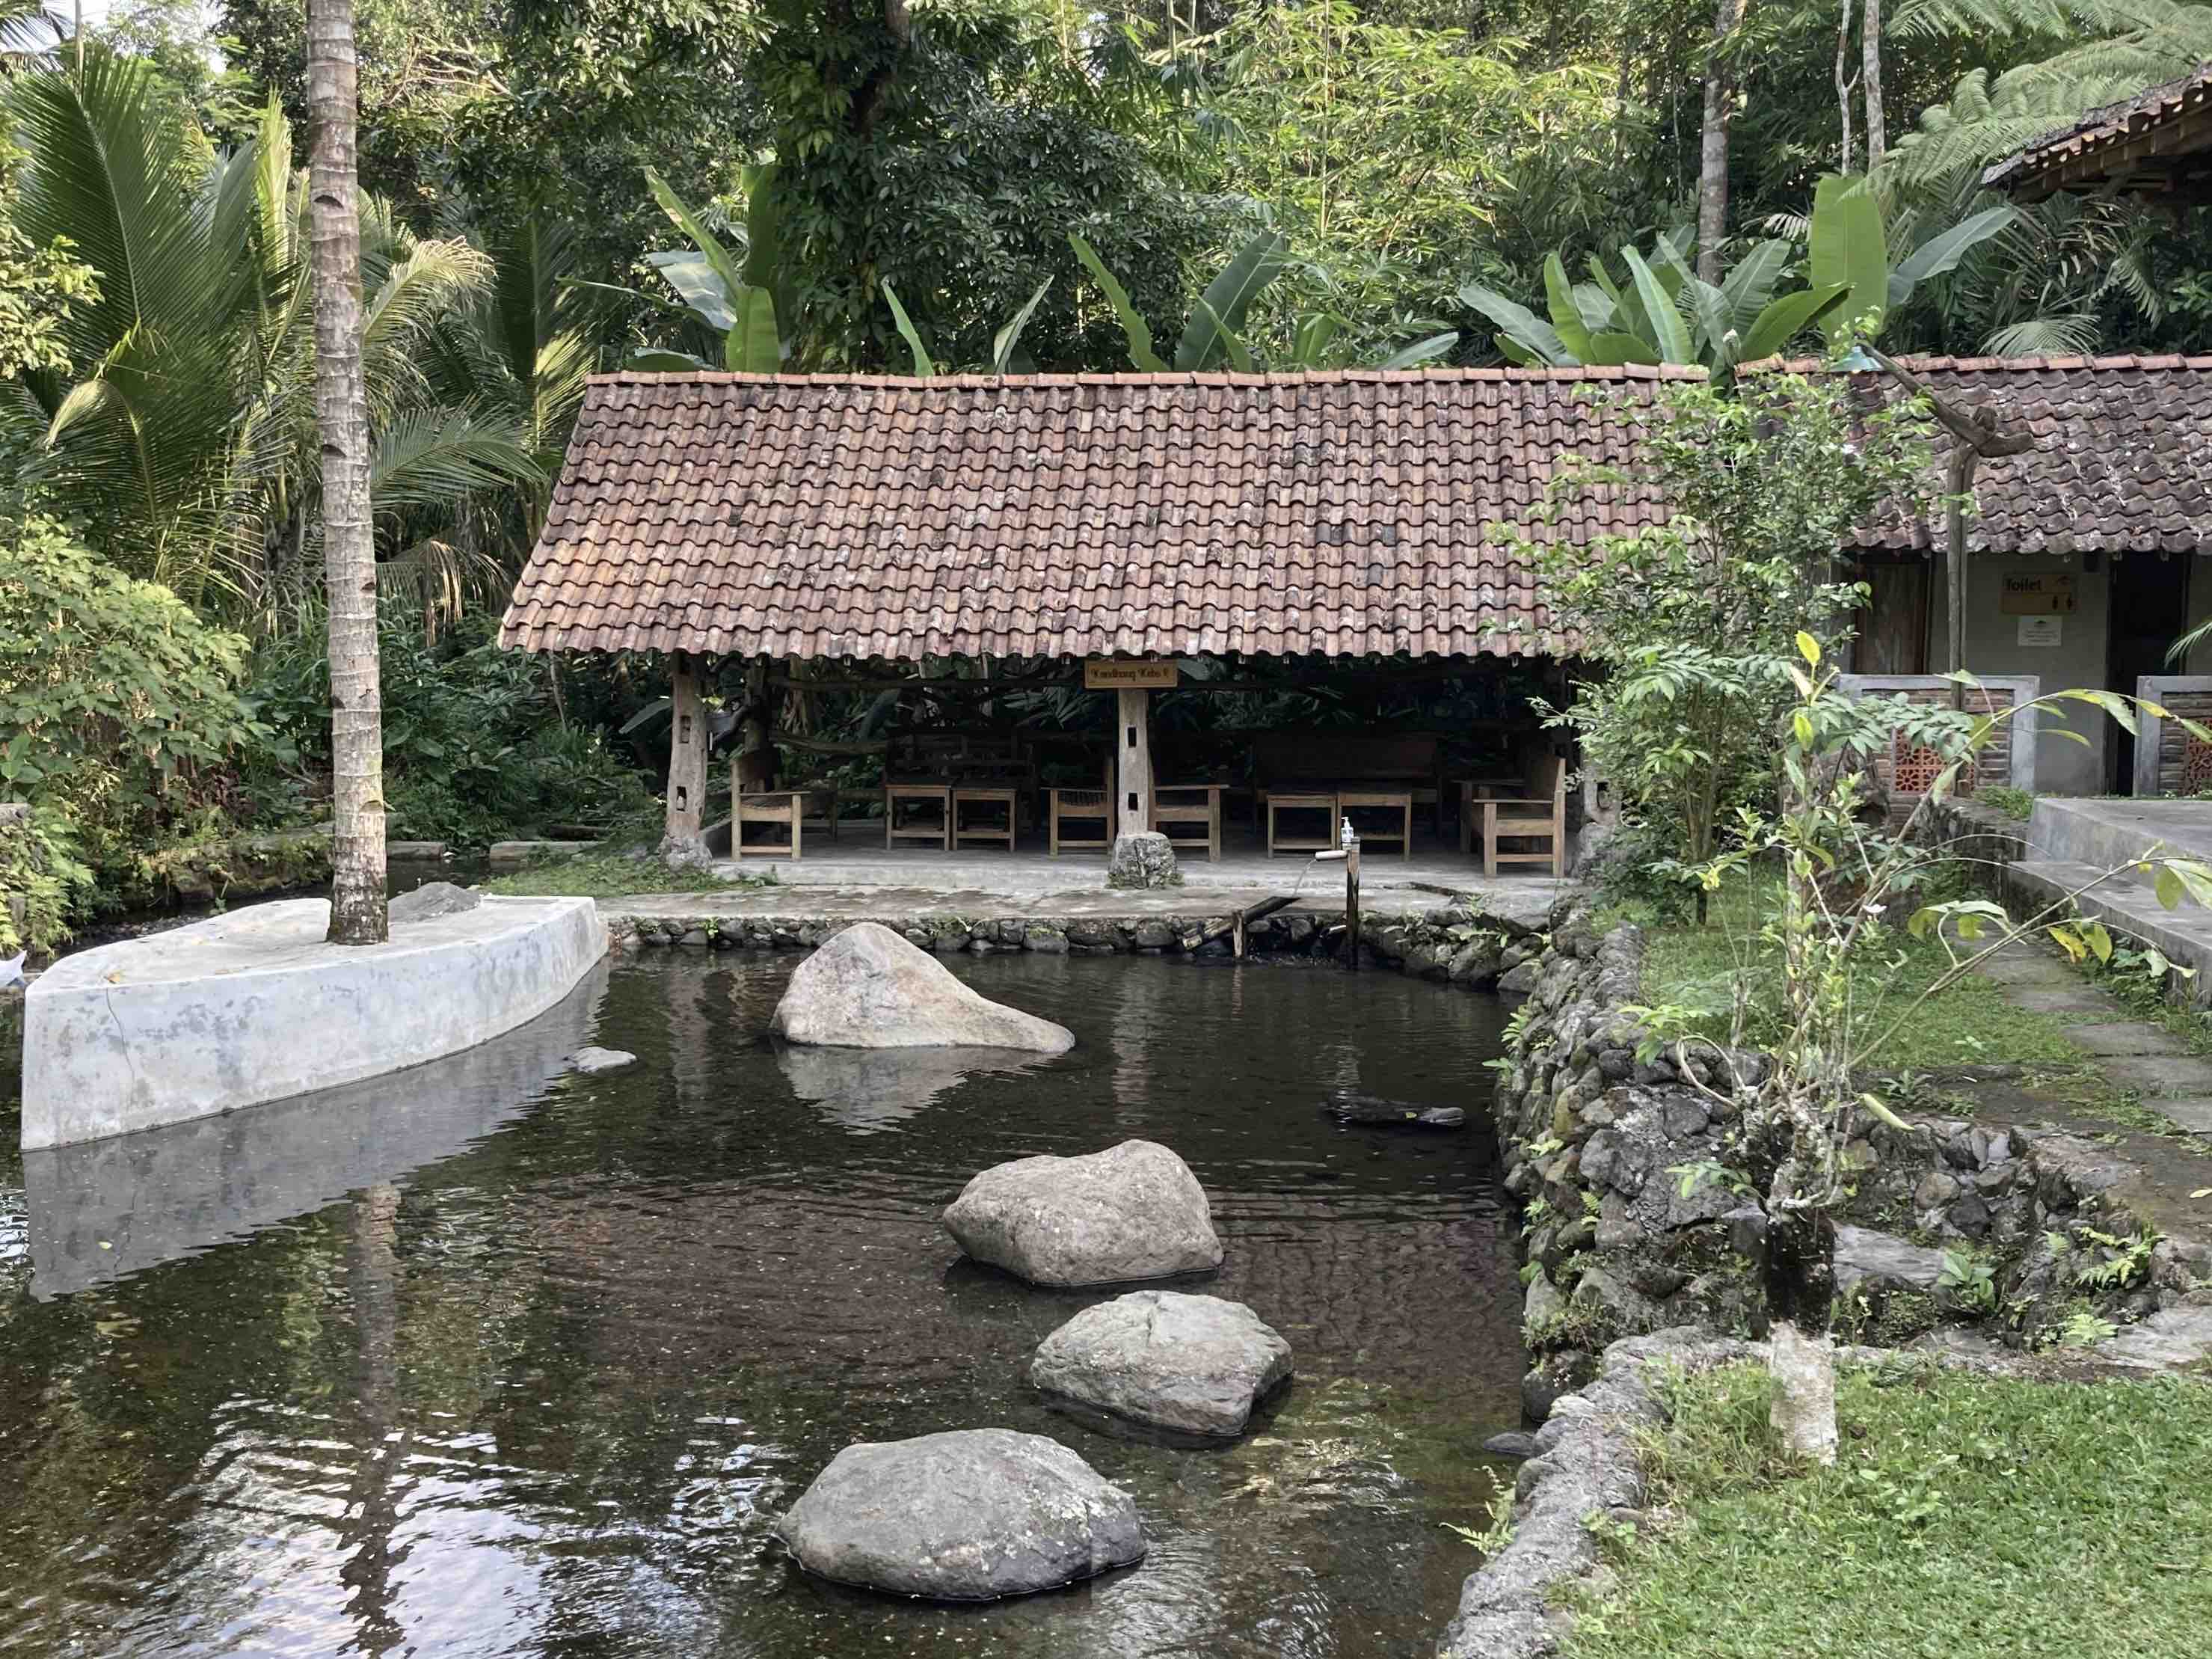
1133	1211
967	1516
1195	1365
867	987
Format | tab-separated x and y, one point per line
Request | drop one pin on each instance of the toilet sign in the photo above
2047	595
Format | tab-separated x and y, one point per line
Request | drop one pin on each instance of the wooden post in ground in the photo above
1352	903
1132	814
687	762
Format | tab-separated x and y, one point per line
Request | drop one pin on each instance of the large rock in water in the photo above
969	1515
1133	1211
868	988
1195	1364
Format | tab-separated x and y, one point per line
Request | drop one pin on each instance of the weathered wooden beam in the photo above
1133	750
686	761
1235	923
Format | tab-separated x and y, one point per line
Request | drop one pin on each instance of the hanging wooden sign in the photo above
2051	595
1113	674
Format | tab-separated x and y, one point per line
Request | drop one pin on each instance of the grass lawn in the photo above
611	875
1969	1023
1965	1519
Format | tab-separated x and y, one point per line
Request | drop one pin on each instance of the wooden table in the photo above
1274	801
975	795
1399	800
941	832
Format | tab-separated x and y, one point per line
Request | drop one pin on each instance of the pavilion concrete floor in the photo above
857	878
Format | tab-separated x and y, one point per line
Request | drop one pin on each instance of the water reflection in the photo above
870	1090
100	1209
544	1397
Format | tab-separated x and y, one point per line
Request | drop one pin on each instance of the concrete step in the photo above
2104	833
2125	905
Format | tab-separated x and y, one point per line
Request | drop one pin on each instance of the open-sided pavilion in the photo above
1123	537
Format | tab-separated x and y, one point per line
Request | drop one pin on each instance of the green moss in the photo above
1965	1515
608	875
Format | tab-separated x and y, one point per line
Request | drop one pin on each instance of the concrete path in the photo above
2133	1053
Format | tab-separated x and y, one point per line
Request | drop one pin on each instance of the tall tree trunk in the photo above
1844	83
1713	147
1877	125
357	907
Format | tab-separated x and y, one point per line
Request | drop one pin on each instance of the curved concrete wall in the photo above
256	1006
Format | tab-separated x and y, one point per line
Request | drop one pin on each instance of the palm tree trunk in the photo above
1713	147
1877	127
357	907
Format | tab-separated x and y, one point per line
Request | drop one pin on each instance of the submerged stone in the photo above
596	1059
867	987
1196	1365
967	1516
1133	1211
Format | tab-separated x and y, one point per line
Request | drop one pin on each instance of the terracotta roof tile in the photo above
1048	515
2103	128
2123	461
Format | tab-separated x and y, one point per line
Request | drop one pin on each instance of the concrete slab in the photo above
2124	905
255	1006
2161	1076
2103	833
2125	1037
100	1209
2193	1112
2060	1001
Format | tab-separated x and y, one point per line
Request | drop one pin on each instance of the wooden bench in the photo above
786	808
1327	763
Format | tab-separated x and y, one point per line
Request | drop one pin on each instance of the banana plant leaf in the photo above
1750	285
925	367
1848	246
1423	351
1003	344
1668	331
1787	317
753	346
1535	340
1228	297
1566	315
1142	355
1941	254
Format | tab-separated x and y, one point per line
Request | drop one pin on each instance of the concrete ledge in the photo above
2124	905
255	1006
100	1209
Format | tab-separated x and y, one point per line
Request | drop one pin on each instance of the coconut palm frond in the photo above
428	459
2045	337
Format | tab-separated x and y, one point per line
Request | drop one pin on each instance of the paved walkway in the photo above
2131	1051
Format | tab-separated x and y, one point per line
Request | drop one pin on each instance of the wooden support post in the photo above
754	765
1133	748
1352	903
687	762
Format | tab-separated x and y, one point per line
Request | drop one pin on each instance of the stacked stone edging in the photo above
1593	1138
1586	1464
1459	944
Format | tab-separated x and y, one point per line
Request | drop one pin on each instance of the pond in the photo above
546	1393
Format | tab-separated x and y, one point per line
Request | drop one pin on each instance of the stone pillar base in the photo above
1142	860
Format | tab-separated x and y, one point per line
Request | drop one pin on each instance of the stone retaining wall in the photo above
1618	1239
1458	945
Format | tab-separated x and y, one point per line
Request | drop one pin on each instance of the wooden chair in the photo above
1082	805
1540	816
787	807
1194	808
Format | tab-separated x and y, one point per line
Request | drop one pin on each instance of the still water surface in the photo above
545	1394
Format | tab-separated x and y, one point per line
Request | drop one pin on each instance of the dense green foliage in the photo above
1965	1514
119	708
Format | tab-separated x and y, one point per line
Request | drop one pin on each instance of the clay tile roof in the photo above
2122	462
819	516
2151	128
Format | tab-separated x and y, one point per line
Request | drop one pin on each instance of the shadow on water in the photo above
540	1384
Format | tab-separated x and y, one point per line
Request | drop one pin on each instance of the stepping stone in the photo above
2193	1112
2124	1037
1194	1364
969	1515
1133	1211
2061	1000
596	1059
2162	1075
2040	971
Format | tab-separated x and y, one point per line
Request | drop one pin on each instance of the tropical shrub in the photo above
1692	621
120	708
